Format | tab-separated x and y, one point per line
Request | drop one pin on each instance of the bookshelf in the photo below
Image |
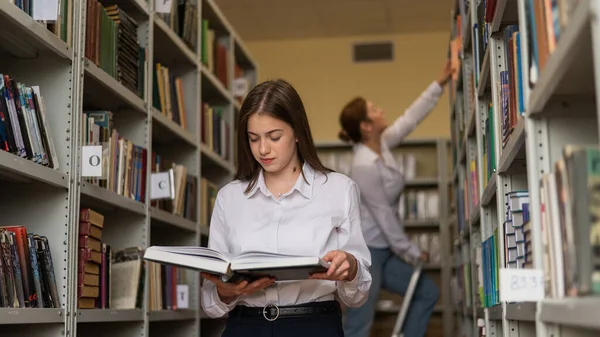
424	208
524	106
156	91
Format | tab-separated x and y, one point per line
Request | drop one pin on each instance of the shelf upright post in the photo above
146	38
445	235
78	52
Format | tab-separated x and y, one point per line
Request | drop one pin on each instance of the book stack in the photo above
128	49
90	258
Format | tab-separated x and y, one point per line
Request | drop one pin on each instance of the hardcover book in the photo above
248	265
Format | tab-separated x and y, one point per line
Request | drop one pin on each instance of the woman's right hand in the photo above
230	291
446	74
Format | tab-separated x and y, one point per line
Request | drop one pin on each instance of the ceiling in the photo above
287	19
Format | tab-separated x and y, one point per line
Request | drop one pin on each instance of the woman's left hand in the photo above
343	267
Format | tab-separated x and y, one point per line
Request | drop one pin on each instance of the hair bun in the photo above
343	135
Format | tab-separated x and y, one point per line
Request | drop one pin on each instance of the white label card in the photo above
45	10
161	185
240	87
163	6
91	161
183	301
521	285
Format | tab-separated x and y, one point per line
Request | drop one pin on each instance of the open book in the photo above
249	265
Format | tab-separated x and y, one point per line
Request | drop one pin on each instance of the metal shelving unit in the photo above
435	153
559	108
47	201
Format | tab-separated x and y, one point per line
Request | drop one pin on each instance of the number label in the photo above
91	161
240	87
521	285
45	10
161	185
162	6
183	296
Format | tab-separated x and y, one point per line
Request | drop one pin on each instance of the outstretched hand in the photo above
229	291
447	72
343	267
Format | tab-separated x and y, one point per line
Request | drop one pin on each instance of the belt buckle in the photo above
265	311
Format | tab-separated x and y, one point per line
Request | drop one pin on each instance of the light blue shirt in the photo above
381	181
318	215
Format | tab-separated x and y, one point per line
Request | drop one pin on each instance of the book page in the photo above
257	256
273	260
195	251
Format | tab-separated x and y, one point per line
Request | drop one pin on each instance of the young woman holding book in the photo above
283	200
381	183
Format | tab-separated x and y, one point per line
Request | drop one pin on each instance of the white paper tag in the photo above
162	6
521	285
45	10
240	87
161	185
91	161
183	301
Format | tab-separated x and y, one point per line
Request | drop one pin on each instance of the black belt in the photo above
272	312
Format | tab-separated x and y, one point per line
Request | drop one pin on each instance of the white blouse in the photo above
381	182
315	217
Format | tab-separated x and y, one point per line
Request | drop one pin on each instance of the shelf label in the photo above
240	87
162	186
521	285
163	6
45	10
183	301
91	161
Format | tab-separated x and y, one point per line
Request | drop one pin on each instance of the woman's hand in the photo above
230	291
446	73
343	267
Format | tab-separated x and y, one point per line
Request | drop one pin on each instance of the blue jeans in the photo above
392	274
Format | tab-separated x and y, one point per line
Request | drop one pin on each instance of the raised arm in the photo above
217	240
417	111
372	195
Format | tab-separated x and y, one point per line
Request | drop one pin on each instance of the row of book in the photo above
124	166
182	19
27	278
111	42
214	53
24	127
163	283
94	262
62	27
510	88
167	95
428	242
123	162
216	129
340	160
570	229
106	278
184	204
467	194
461	281
547	21
419	204
518	253
208	196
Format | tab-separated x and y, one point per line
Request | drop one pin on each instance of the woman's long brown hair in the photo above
276	98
